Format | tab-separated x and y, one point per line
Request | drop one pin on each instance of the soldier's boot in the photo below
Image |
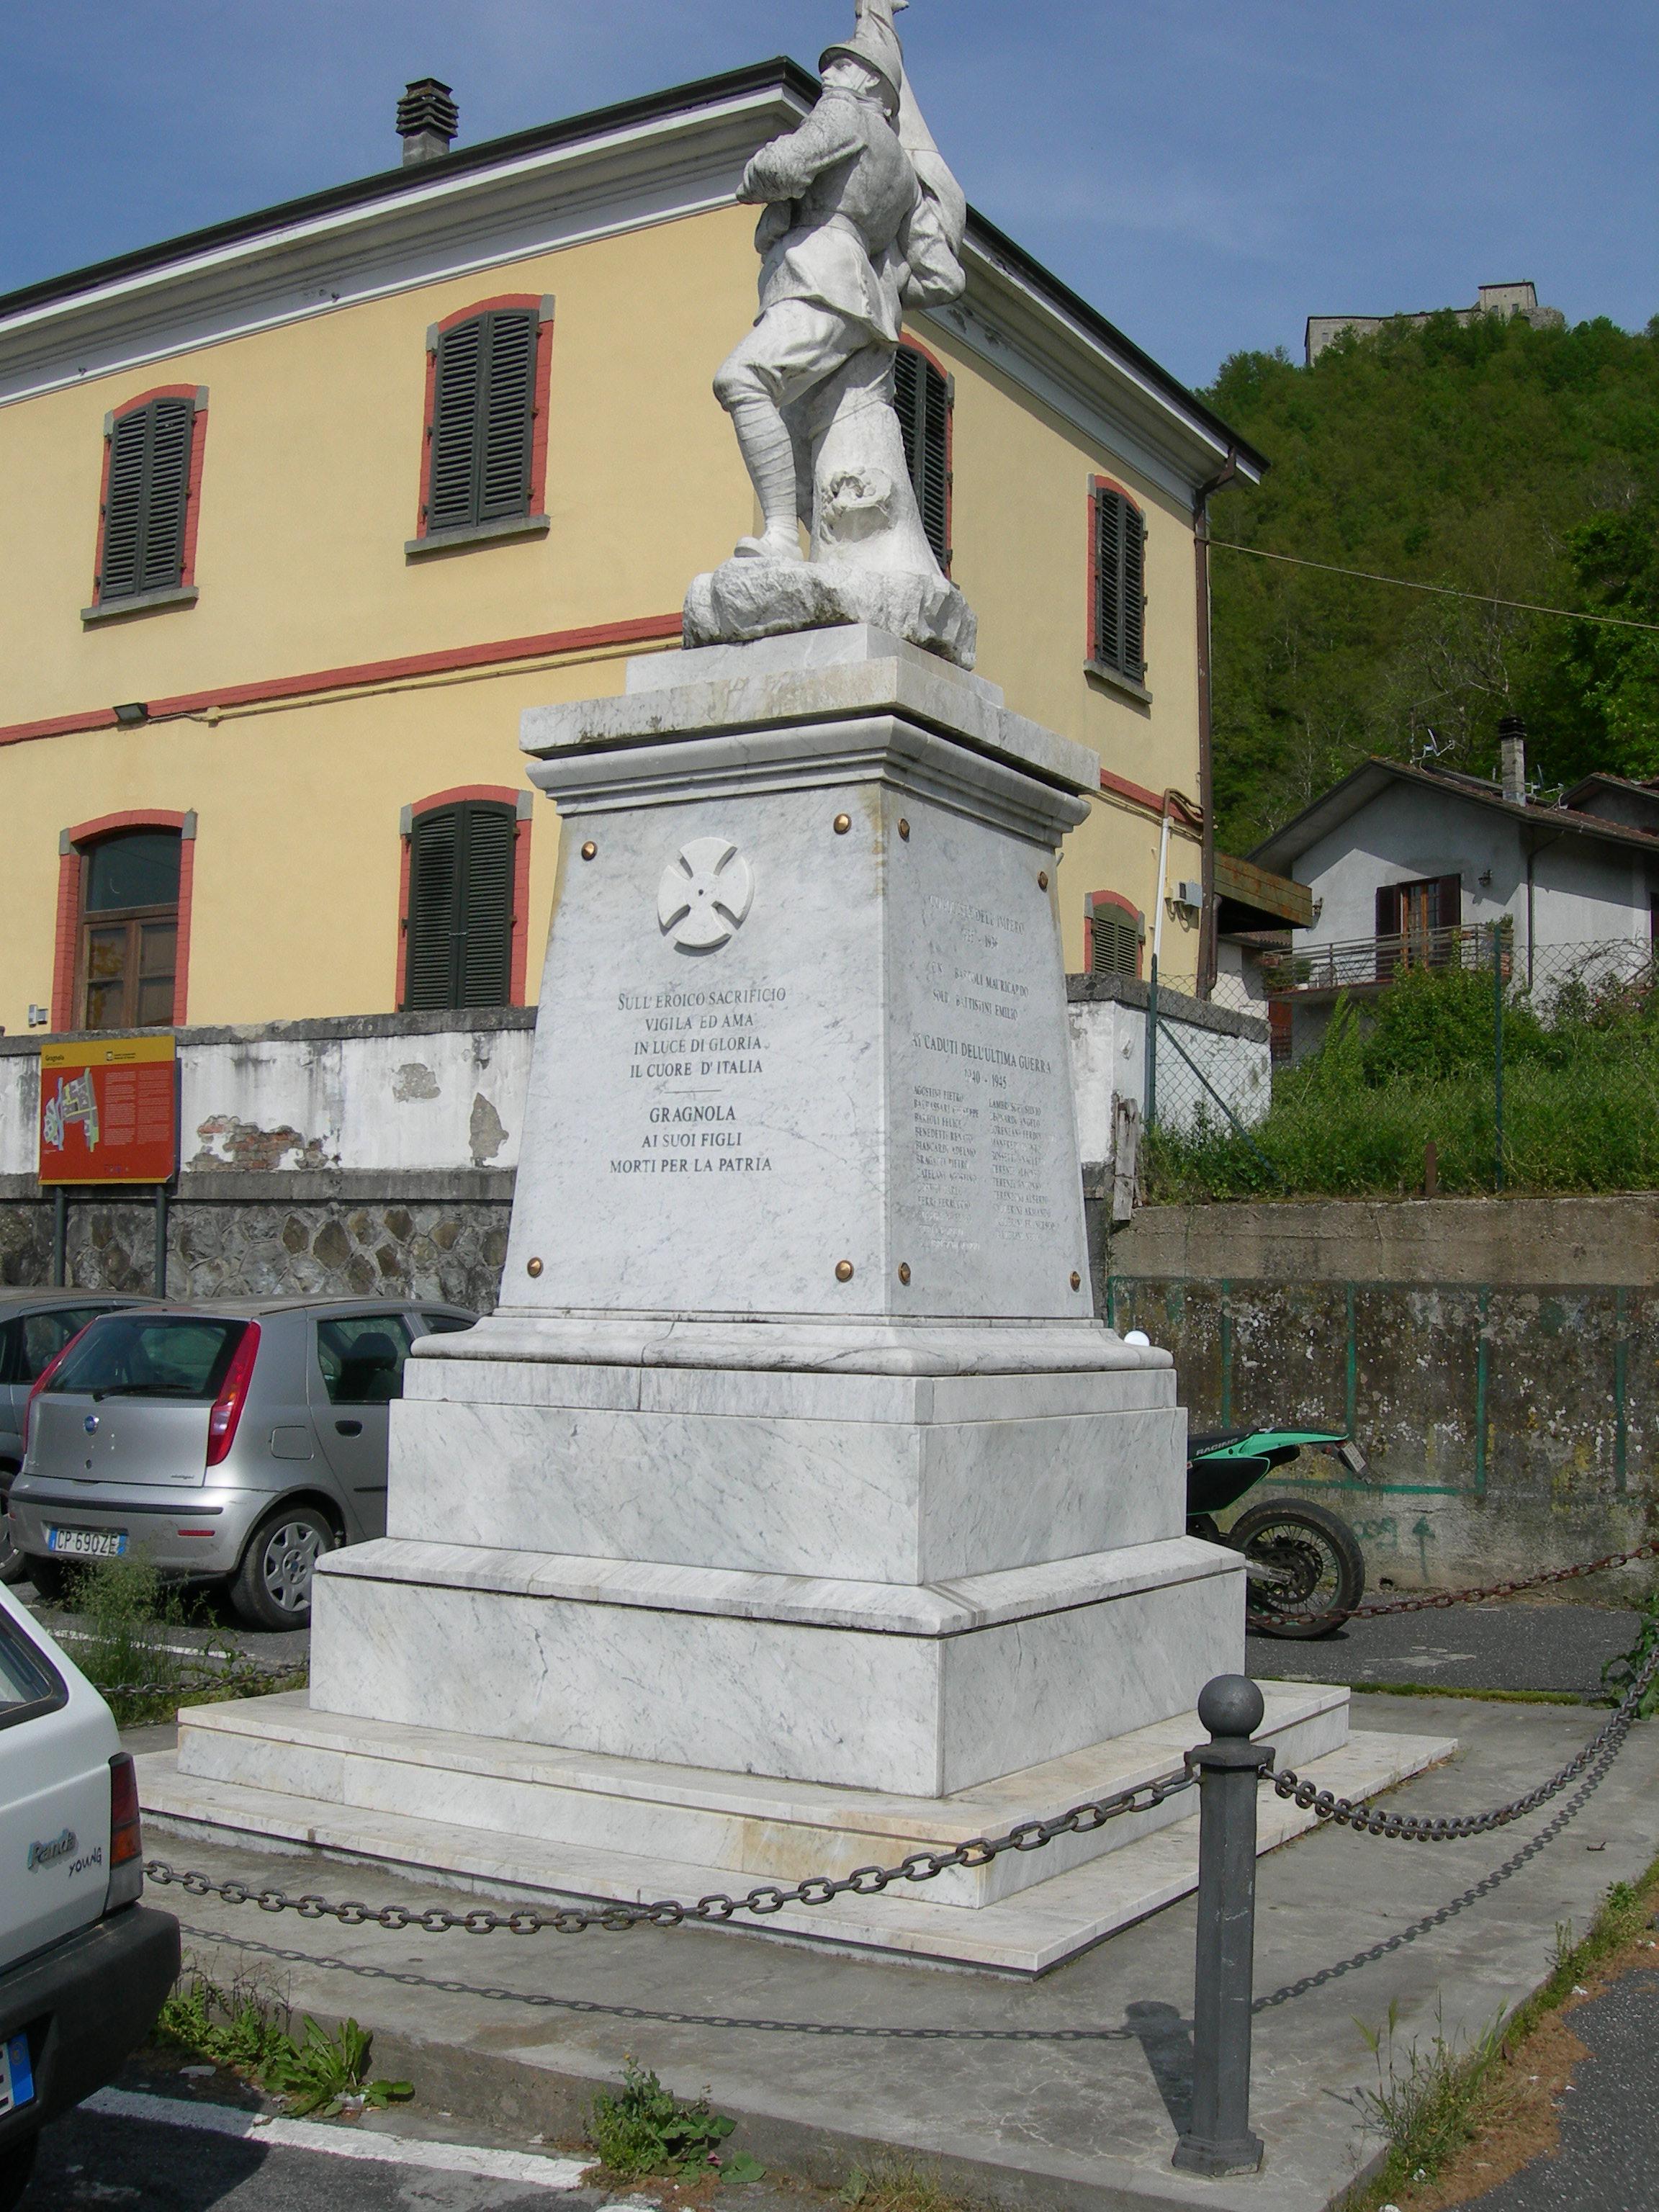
769	454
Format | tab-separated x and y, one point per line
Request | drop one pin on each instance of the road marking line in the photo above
561	2174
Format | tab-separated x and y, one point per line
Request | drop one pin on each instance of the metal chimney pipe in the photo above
1512	758
428	119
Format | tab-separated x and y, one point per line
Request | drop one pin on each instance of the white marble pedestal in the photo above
794	1477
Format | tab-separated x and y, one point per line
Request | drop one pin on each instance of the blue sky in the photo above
1207	173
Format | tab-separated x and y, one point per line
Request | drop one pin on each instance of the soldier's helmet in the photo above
875	43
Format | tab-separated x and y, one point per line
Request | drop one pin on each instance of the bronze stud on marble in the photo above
1043	879
844	1271
590	851
843	824
904	830
904	1271
533	1267
1076	1281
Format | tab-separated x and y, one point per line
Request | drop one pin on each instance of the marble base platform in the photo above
483	1815
920	1688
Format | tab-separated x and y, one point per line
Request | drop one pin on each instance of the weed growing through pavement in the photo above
898	2185
248	2030
1435	2106
644	2129
1618	1674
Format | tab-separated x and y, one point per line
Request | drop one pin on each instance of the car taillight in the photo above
126	1835
44	1376
233	1395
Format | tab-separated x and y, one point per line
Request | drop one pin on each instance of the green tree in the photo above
1491	457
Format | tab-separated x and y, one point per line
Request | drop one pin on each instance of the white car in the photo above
84	1968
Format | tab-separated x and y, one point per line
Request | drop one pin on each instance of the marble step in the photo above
751	1827
1024	1932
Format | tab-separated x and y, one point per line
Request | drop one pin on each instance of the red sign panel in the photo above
109	1110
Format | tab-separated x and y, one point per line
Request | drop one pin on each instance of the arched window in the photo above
466	872
923	396
486	432
1117	583
1115	930
152	484
124	922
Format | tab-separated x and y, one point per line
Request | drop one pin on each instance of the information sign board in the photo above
109	1110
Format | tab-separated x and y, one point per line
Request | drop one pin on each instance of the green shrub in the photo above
645	2130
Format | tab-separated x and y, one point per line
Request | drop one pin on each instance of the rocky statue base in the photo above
793	1511
744	599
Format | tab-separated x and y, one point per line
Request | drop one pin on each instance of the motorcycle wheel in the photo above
1316	1568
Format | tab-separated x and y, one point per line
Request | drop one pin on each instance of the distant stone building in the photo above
1495	300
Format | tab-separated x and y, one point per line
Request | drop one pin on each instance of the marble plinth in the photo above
923	1689
507	1818
870	1478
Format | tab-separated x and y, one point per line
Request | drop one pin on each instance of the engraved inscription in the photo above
695	1055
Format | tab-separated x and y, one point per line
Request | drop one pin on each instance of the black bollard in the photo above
1219	2140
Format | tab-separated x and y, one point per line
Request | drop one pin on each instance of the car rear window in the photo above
30	1683
150	1356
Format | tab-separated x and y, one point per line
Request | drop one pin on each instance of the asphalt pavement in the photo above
1558	1648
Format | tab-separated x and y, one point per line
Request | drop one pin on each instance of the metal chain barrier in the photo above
1368	1820
1441	1601
671	1912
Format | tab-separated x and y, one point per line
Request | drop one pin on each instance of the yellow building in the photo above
304	509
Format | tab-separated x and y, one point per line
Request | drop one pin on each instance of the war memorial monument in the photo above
793	1511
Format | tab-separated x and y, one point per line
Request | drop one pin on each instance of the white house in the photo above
1407	864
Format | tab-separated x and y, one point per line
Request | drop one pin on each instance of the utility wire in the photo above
1442	591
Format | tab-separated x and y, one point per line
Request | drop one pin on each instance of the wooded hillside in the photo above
1494	458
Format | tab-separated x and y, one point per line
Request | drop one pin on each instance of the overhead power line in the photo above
1442	591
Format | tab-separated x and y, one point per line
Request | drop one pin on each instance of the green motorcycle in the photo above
1306	1571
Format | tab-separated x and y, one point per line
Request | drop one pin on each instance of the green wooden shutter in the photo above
1114	942
483	401
485	973
1120	584
459	950
148	499
922	398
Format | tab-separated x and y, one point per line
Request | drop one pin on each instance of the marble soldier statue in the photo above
862	218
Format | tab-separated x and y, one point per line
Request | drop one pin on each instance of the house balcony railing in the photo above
1358	964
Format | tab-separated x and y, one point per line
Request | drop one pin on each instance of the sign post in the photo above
109	1116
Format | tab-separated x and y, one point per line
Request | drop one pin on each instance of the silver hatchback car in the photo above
34	1327
234	1442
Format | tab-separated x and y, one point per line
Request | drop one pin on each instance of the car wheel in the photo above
12	1569
272	1588
16	2165
50	1577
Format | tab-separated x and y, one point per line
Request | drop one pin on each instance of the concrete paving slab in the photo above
1065	2092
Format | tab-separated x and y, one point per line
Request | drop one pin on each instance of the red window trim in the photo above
1128	906
197	394
538	422
1096	485
501	794
71	870
910	339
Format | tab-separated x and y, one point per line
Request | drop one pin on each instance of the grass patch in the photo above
1459	2119
127	1643
1492	1696
1581	1101
248	2030
900	2184
643	2129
